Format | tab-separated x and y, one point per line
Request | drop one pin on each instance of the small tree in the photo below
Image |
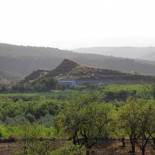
137	119
96	121
88	122
129	120
67	122
146	124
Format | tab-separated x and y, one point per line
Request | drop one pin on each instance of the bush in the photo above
69	149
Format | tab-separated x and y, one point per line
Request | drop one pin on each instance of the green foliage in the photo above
82	114
40	84
88	121
137	120
14	110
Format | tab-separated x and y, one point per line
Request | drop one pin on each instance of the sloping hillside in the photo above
22	60
70	70
35	75
64	68
84	72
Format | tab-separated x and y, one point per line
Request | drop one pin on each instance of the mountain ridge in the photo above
122	52
22	60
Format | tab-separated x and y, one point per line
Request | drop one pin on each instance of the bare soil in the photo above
116	149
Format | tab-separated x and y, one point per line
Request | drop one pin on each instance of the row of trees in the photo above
134	119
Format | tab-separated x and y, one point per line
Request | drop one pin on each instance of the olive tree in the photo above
88	122
96	121
137	119
146	124
67	122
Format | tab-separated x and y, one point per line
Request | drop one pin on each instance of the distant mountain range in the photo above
146	53
72	72
20	61
150	56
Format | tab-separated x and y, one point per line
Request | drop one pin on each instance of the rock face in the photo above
65	67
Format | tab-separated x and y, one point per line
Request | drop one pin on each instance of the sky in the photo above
70	24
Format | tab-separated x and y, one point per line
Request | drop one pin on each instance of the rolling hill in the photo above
20	61
71	71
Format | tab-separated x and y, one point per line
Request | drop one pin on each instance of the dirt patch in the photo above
116	148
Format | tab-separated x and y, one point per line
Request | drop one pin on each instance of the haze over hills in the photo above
146	53
6	78
150	56
20	61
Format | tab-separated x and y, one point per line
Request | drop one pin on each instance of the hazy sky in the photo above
78	23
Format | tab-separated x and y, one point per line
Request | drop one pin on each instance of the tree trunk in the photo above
123	142
144	143
74	139
133	148
87	152
132	141
143	151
